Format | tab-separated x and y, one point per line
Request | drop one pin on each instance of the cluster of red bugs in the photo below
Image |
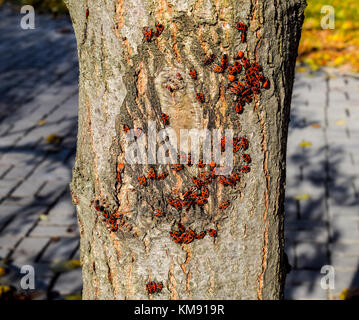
148	33
187	236
253	80
198	194
114	219
154	287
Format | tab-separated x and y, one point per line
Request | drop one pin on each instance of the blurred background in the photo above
38	127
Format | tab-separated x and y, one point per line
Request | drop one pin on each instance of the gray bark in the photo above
123	79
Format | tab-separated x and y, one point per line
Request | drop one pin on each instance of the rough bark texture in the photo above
123	79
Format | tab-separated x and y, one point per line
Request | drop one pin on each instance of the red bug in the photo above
239	106
142	180
232	70
176	204
165	119
125	128
246	157
159	213
106	213
189	205
212	233
148	33
237	66
177	167
201	163
245	169
204	192
266	84
159	287
201	201
201	235
208	59
200	97
193	74
203	176
162	176
212	165
243	28
175	233
224	205
245	144
246	63
239	55
224	61
187	194
231	77
234	176
151	287
197	182
114	227
151	174
218	68
181	227
159	28
189	160
87	13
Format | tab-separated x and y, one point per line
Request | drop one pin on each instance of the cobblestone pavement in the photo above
38	126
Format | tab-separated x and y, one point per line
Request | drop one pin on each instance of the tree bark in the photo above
124	80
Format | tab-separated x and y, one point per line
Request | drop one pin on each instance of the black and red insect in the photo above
201	235
197	182
204	192
181	227
189	160
165	119
177	167
242	27
239	55
162	176
218	68
224	61
200	97
224	205
245	169
246	157
142	180
201	164
159	29
152	174
212	233
193	74
125	128
159	213
244	142
147	33
266	84
208	59
240	106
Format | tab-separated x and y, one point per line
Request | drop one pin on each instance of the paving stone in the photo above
29	249
345	263
54	231
60	250
69	283
301	276
345	280
345	229
311	255
319	235
305	292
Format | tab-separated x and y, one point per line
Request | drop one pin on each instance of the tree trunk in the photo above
125	79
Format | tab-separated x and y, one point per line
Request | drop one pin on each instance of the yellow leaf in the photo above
316	125
302	197
301	69
2	272
305	144
340	122
54	139
41	122
74	297
43	217
4	289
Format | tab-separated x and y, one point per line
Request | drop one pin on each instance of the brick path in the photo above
38	227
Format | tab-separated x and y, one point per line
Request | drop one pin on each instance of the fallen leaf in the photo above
41	122
316	125
302	197
65	265
43	217
2	272
340	122
74	297
54	139
305	144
